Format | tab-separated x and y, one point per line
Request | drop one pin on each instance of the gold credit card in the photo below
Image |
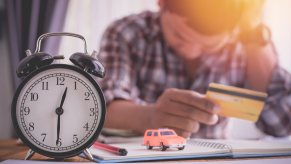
237	102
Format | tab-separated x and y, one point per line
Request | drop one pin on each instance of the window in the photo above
156	134
90	18
149	133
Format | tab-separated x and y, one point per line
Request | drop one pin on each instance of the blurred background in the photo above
21	22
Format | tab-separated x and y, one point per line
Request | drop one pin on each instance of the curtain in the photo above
26	21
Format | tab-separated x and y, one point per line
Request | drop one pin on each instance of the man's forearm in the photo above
122	114
260	64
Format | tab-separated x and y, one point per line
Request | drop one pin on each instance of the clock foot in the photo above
88	154
29	154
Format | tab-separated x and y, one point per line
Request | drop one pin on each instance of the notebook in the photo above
196	149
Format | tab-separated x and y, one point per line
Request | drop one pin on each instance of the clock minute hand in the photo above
58	129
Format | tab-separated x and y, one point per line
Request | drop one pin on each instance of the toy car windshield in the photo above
168	133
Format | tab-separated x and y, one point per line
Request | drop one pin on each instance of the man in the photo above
159	66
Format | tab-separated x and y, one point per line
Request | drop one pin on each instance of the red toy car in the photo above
163	138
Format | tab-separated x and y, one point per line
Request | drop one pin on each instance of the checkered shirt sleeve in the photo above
275	119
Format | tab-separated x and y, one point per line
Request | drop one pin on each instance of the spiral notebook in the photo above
197	149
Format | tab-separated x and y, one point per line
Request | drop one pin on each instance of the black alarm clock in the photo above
58	110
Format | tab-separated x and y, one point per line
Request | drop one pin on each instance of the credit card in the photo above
237	102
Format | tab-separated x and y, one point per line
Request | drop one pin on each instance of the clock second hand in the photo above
59	112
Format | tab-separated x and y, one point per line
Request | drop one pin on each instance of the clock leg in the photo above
29	154
88	154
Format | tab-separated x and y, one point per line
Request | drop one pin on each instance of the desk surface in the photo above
10	149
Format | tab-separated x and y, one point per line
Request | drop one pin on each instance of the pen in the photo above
112	149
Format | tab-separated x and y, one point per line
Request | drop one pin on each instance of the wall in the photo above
278	16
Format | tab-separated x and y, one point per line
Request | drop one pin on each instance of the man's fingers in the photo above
182	123
190	112
182	133
204	117
192	98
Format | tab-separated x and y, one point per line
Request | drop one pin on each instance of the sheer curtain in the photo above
91	17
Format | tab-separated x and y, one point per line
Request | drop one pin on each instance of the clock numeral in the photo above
86	126
44	136
26	111
75	86
75	138
87	95
31	126
92	110
33	96
59	142
44	85
60	81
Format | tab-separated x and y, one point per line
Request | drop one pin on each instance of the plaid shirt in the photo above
140	66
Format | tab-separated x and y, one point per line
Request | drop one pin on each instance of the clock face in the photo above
59	110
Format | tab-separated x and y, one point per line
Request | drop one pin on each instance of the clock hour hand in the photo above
59	112
63	98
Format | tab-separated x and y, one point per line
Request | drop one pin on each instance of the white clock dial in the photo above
37	104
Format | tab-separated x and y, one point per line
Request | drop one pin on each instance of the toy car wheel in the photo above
148	146
181	148
163	147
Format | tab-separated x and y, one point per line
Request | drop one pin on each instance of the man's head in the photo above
212	17
211	21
